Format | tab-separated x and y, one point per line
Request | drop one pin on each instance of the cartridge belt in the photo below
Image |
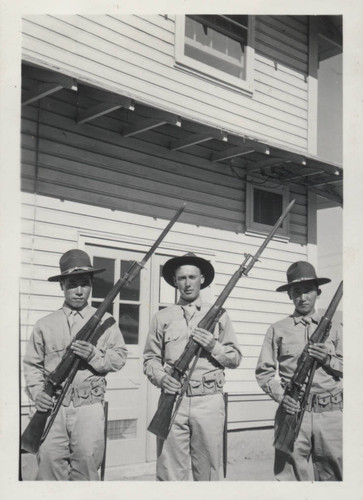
86	393
211	383
329	401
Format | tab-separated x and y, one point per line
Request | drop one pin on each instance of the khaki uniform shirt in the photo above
51	336
284	343
169	333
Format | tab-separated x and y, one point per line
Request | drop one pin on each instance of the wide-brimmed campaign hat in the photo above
301	272
189	259
75	262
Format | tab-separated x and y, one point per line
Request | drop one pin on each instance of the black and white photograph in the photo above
175	206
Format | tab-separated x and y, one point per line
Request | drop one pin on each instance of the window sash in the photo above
257	227
244	81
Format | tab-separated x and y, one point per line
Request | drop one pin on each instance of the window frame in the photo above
128	246
253	227
200	69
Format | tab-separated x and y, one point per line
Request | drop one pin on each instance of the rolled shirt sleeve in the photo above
153	355
226	350
34	371
266	368
110	353
336	350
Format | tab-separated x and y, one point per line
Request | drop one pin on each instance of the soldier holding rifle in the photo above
74	447
197	431
317	452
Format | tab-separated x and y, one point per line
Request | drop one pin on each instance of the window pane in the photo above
129	323
103	282
167	294
131	291
217	42
267	207
97	304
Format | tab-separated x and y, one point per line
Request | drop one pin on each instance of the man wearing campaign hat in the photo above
74	447
317	451
197	432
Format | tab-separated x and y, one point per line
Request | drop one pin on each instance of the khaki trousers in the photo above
317	451
73	449
197	436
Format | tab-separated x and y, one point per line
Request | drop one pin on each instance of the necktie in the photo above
307	323
189	311
73	320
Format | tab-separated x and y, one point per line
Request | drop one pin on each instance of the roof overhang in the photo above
247	156
330	33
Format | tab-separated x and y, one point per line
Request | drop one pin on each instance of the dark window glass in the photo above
129	323
103	282
267	207
132	290
97	304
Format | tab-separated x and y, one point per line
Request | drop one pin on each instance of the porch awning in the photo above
246	156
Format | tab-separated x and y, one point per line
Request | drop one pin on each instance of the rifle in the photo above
66	370
164	417
288	425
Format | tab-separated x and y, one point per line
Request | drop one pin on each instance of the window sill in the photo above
262	233
242	87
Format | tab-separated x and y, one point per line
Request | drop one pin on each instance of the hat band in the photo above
302	279
72	269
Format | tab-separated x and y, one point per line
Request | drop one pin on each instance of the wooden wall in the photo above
51	226
134	56
88	178
92	163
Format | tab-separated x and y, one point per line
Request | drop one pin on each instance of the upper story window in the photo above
264	207
219	47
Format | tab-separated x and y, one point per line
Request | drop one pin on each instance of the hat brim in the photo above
76	272
318	281
206	269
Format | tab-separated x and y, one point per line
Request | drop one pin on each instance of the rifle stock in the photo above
285	430
287	426
161	422
31	438
34	434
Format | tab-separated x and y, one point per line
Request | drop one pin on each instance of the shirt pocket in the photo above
174	345
290	349
53	355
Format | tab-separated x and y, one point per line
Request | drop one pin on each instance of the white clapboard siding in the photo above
134	56
93	164
51	226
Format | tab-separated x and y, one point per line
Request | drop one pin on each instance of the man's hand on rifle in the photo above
43	402
320	353
169	384
82	348
290	405
204	338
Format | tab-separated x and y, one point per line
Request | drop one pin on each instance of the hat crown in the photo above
300	271
74	259
189	254
188	259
